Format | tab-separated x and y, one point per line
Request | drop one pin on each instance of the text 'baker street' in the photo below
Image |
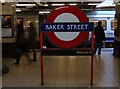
66	26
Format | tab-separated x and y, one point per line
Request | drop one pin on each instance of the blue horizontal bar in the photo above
67	27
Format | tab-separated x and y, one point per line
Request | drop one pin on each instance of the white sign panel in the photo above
6	32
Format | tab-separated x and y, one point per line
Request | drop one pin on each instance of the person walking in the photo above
99	37
32	39
19	42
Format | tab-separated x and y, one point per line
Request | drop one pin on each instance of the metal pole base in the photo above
42	83
91	83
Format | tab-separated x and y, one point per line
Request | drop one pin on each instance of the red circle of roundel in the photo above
66	9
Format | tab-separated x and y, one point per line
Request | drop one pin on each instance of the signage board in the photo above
70	18
67	27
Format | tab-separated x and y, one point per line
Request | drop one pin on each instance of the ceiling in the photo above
41	6
54	0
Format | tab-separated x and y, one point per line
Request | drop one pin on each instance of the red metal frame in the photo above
82	18
41	59
92	60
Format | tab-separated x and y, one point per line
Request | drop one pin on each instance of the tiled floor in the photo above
63	71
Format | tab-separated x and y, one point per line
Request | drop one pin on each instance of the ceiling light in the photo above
45	5
92	3
73	4
18	10
25	5
44	12
58	4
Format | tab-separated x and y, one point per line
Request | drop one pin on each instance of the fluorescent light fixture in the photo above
45	5
18	10
36	21
44	12
106	3
73	4
58	4
92	3
25	5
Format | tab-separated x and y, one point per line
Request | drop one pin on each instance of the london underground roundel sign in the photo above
66	14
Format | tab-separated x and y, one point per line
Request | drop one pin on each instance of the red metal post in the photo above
42	77
41	40
92	59
41	59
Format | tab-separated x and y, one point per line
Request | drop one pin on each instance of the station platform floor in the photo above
63	71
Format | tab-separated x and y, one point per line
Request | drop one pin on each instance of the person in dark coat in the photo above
32	40
19	42
19	34
99	37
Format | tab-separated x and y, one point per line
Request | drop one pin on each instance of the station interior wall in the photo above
7	9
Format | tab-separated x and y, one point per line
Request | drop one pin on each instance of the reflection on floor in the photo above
63	71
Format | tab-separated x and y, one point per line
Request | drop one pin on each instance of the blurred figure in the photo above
19	42
32	39
19	34
99	37
116	51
